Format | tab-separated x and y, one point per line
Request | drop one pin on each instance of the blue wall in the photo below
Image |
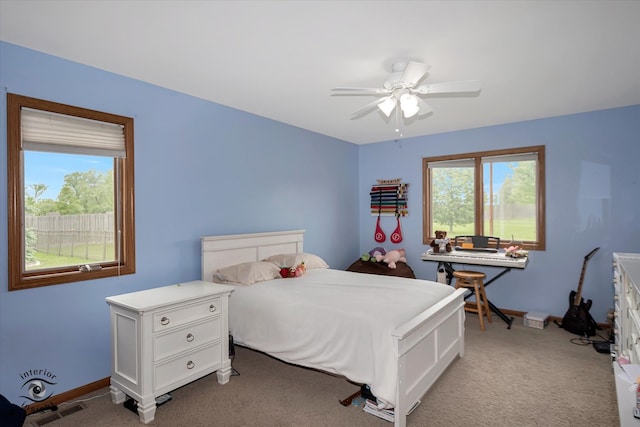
592	199
204	169
201	169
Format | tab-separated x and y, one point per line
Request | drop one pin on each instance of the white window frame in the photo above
476	160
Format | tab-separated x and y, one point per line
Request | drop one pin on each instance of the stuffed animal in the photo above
515	251
290	272
377	251
373	254
441	243
392	257
299	270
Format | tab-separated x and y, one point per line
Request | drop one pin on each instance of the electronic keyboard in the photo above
490	250
491	259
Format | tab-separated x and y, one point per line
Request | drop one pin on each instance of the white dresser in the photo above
626	282
164	338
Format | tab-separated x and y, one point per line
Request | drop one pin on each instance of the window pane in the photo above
510	200
69	210
452	201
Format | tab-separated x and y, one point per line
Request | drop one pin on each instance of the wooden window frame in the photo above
539	244
124	204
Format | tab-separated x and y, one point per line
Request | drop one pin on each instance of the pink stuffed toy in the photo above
392	257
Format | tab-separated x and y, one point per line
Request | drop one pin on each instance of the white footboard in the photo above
426	345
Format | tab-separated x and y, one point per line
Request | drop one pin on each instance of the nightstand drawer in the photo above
185	314
187	366
183	339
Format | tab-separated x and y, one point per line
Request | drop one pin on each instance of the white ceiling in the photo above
280	59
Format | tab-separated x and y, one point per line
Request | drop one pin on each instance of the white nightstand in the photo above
164	338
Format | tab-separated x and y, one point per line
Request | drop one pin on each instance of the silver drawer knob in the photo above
212	308
190	365
164	321
190	337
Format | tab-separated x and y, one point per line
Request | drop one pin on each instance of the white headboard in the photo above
223	251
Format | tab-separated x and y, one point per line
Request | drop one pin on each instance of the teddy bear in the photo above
441	243
391	257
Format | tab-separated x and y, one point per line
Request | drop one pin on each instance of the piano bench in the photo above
474	280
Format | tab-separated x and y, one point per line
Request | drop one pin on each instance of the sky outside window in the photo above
51	168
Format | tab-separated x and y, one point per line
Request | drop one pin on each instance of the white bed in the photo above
343	322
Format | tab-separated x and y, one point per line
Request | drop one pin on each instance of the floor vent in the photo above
49	418
71	409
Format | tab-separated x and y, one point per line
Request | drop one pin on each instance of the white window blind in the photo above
45	131
511	158
459	163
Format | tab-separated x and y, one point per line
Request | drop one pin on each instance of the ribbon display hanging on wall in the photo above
388	198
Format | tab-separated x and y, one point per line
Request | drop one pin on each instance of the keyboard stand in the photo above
447	260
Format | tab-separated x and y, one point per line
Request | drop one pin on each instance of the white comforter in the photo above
336	321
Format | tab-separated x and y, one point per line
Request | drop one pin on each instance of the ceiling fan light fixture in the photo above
387	106
409	105
401	93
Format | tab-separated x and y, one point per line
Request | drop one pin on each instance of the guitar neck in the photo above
578	297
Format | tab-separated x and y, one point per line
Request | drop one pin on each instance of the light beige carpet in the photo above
516	377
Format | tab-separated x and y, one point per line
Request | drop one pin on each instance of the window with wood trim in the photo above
497	193
70	193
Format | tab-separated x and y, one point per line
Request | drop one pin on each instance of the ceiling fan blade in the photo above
362	90
424	108
449	87
369	107
413	73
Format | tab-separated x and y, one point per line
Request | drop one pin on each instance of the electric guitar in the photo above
577	319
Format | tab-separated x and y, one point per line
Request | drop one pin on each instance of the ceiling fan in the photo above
401	92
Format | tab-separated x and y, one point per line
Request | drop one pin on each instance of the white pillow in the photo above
247	273
293	260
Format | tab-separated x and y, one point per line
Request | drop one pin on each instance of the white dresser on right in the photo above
626	283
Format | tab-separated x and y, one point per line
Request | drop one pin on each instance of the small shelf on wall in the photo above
389	198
